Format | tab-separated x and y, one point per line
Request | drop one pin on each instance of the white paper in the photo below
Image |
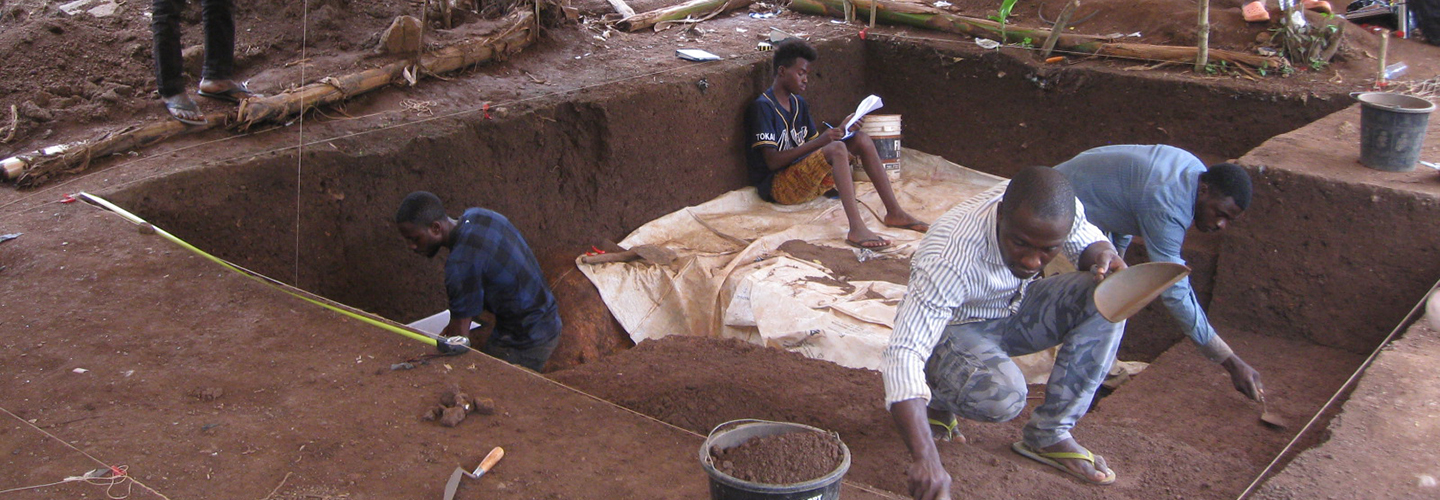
696	55
867	105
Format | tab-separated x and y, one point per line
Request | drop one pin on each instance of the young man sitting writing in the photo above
791	161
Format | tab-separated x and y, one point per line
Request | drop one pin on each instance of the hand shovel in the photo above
1127	291
453	485
1271	420
654	254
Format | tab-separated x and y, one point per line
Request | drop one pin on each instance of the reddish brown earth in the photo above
207	385
1176	430
791	458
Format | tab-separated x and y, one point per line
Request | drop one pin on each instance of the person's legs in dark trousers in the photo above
533	357
219	20
219	24
165	22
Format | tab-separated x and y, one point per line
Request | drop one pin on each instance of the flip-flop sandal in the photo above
1049	458
232	94
175	107
1255	12
919	227
1320	6
952	433
862	243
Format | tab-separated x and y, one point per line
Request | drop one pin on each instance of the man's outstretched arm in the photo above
1164	238
927	477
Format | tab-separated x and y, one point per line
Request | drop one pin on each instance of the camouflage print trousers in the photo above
971	375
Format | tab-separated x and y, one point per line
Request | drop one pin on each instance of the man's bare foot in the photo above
1098	473
904	220
865	238
184	110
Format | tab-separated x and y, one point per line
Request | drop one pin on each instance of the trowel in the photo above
1270	419
453	484
1127	291
655	254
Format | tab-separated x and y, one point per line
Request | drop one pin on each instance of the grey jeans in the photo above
970	372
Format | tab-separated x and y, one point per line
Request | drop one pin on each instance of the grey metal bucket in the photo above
1392	130
726	487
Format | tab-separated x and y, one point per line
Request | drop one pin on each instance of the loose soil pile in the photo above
845	267
790	458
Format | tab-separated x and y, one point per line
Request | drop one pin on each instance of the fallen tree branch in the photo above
680	12
34	168
922	16
622	8
331	90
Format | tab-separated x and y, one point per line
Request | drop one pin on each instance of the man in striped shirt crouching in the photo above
975	299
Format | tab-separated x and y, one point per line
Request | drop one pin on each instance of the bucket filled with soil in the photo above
760	459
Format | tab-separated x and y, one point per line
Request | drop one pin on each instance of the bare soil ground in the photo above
208	385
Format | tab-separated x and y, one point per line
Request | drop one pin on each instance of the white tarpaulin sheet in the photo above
730	279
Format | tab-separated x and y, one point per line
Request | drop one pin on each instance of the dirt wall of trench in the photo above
1330	251
567	173
597	164
998	111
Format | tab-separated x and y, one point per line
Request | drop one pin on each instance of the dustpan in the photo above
1129	290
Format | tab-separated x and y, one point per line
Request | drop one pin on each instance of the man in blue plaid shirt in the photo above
490	268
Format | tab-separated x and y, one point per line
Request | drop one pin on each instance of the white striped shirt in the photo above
958	275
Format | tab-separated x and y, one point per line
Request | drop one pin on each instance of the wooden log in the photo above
922	16
34	168
1186	54
333	90
698	8
622	8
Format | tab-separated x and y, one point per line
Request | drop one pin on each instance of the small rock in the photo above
462	400
29	110
209	393
432	414
447	398
452	416
109	96
401	37
483	406
1425	481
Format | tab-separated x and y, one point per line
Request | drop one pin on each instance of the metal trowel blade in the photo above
1268	418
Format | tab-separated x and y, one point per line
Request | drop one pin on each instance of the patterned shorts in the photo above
803	181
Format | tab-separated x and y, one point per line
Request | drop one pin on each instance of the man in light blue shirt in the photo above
1156	192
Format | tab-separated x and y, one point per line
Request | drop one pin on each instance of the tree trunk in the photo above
36	167
1202	34
921	16
697	8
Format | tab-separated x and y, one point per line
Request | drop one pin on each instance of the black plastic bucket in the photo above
736	432
1392	130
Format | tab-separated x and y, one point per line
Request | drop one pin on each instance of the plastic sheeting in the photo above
730	279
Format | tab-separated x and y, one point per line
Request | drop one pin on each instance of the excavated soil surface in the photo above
1176	430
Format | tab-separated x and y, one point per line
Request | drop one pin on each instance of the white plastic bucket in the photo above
884	130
